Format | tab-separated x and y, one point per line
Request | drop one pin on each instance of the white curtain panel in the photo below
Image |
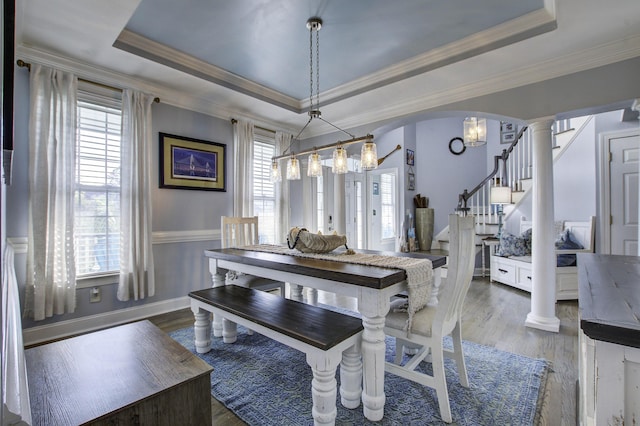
283	141
51	277
16	406
136	251
243	172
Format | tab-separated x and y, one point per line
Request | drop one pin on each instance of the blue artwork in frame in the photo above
187	163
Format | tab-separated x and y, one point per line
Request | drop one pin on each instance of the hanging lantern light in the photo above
339	161
369	155
276	176
293	168
314	168
475	131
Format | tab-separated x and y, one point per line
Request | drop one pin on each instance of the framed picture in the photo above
411	181
508	132
410	159
508	137
188	163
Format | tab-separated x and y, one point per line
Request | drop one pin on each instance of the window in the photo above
387	195
264	191
359	215
97	194
320	203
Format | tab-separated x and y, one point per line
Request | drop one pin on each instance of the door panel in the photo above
623	190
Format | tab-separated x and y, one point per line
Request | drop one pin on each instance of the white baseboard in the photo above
62	329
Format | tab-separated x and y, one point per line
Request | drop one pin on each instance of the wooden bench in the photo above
327	338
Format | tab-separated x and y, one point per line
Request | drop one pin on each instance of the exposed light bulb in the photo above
339	161
276	176
293	169
369	156
314	168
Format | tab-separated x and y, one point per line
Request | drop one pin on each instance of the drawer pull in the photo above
504	271
529	278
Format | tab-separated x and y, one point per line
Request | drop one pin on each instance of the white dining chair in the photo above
241	232
433	323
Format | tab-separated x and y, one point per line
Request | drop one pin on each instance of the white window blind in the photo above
264	191
97	195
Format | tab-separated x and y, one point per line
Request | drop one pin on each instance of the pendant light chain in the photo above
310	69
318	71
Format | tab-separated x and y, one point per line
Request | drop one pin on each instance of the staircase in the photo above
517	161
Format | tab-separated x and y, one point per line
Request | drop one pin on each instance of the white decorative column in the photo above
636	107
543	262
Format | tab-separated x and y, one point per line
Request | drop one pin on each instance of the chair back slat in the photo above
459	268
239	231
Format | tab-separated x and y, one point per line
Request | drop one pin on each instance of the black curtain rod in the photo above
27	65
234	121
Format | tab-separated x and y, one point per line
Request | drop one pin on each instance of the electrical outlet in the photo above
95	295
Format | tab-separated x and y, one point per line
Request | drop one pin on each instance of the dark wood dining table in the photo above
372	286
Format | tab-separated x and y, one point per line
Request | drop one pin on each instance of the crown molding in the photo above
592	57
157	52
120	80
515	30
168	96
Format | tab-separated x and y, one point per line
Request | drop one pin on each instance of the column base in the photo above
542	323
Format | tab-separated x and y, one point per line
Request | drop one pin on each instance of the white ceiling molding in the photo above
149	49
510	32
515	30
119	80
586	59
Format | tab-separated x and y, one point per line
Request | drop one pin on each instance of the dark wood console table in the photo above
133	374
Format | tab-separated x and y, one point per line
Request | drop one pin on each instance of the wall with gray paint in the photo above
180	266
440	175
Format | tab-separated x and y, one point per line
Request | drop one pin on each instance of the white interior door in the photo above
382	209
623	190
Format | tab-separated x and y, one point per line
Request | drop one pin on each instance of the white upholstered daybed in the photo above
516	271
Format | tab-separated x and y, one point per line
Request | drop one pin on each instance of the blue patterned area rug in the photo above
266	383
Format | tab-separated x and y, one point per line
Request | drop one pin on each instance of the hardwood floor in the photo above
494	316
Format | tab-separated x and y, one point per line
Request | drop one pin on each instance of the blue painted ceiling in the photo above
267	42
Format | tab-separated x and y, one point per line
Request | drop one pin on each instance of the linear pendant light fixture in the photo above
368	153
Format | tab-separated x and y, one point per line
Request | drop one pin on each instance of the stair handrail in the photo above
465	195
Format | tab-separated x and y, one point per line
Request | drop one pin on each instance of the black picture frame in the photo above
188	163
410	157
508	132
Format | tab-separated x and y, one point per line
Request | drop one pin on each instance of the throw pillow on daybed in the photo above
513	245
566	241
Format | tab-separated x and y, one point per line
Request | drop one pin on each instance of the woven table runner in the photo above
419	271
